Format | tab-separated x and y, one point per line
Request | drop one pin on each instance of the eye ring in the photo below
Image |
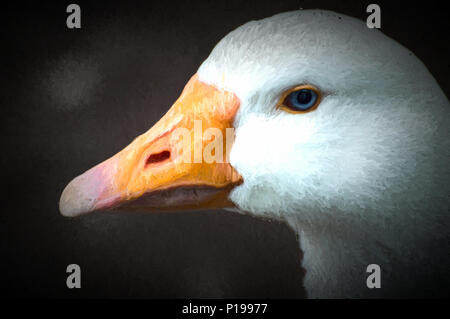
300	99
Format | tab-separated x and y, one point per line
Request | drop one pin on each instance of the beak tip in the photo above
72	202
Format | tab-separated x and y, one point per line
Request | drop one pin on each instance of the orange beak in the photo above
180	163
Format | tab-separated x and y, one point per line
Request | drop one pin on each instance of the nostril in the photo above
158	157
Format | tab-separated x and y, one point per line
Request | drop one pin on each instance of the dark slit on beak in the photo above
158	157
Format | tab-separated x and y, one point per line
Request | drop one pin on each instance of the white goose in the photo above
339	131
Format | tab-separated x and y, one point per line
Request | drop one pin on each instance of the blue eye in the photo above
302	100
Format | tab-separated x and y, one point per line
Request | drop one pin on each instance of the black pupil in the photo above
304	96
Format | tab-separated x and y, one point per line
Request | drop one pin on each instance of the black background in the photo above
72	98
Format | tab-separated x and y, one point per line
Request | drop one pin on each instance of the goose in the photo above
336	129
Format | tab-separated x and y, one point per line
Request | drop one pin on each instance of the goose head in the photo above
325	124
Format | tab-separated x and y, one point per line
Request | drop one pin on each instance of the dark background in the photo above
72	98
